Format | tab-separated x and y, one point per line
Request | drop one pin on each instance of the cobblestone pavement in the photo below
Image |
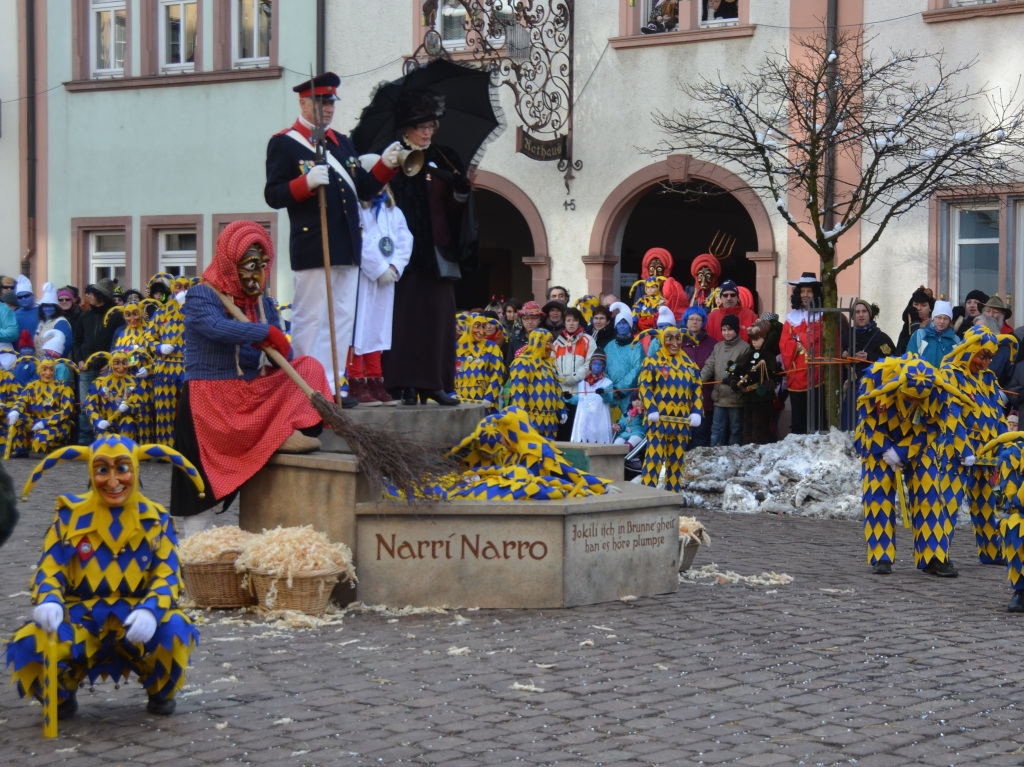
838	667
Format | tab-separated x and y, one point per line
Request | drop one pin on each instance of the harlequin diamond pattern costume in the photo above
45	410
670	393
967	367
108	555
169	368
479	368
509	460
115	404
1008	450
534	385
907	414
135	339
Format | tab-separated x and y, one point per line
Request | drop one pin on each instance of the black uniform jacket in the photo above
287	162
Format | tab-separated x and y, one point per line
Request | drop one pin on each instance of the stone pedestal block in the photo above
442	425
524	555
605	461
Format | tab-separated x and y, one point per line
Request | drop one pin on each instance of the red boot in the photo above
376	386
360	389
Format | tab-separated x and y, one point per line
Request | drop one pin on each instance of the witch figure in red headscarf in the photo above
236	409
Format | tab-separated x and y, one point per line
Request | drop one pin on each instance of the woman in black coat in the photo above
421	363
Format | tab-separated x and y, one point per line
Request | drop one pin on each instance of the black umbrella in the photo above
469	118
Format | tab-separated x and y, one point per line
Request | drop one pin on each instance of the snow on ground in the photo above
813	475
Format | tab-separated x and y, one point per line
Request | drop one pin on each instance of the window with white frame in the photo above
451	23
974	233
107	37
251	25
107	256
177	35
177	252
720	13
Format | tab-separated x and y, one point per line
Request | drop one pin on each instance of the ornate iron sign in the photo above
528	46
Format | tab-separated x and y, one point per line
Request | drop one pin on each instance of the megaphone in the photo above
411	161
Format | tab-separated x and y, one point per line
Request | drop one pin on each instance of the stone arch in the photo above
606	235
540	261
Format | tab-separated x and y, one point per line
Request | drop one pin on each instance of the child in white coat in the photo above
593	400
387	246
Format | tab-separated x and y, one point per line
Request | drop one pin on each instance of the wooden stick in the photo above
50	685
325	246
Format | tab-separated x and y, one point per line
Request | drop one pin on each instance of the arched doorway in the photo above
505	241
685	224
514	264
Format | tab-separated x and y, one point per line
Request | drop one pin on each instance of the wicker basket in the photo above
216	584
687	552
309	593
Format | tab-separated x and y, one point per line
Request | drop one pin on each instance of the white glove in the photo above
12	417
180	297
392	155
166	348
143	372
317	176
103	425
968	460
695	420
389	276
891	457
38	426
122	408
563	418
142	624
653	417
49	616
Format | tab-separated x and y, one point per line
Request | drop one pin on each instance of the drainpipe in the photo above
321	36
30	135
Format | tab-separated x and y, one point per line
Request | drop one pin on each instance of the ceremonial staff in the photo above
320	140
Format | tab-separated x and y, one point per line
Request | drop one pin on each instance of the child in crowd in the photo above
756	375
727	426
629	430
593	401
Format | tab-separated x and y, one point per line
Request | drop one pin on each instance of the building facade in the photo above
151	119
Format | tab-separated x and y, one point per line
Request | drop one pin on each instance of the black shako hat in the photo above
323	86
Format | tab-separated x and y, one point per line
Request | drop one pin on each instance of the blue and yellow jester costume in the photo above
168	329
507	459
670	393
908	417
1008	449
983	423
136	339
45	410
534	386
109	554
116	404
479	367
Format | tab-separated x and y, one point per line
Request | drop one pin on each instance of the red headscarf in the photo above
222	273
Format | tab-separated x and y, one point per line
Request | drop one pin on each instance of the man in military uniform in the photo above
294	178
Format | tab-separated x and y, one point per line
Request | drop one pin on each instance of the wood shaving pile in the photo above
214	544
693	531
711	571
287	551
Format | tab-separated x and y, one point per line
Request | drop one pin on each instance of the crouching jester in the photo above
106	586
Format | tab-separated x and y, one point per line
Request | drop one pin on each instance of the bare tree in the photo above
788	126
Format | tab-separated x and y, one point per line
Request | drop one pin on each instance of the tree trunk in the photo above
830	334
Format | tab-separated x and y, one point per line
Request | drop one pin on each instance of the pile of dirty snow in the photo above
810	475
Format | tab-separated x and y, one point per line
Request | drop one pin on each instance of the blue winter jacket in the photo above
931	345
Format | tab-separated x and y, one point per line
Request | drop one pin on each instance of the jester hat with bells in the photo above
114	452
